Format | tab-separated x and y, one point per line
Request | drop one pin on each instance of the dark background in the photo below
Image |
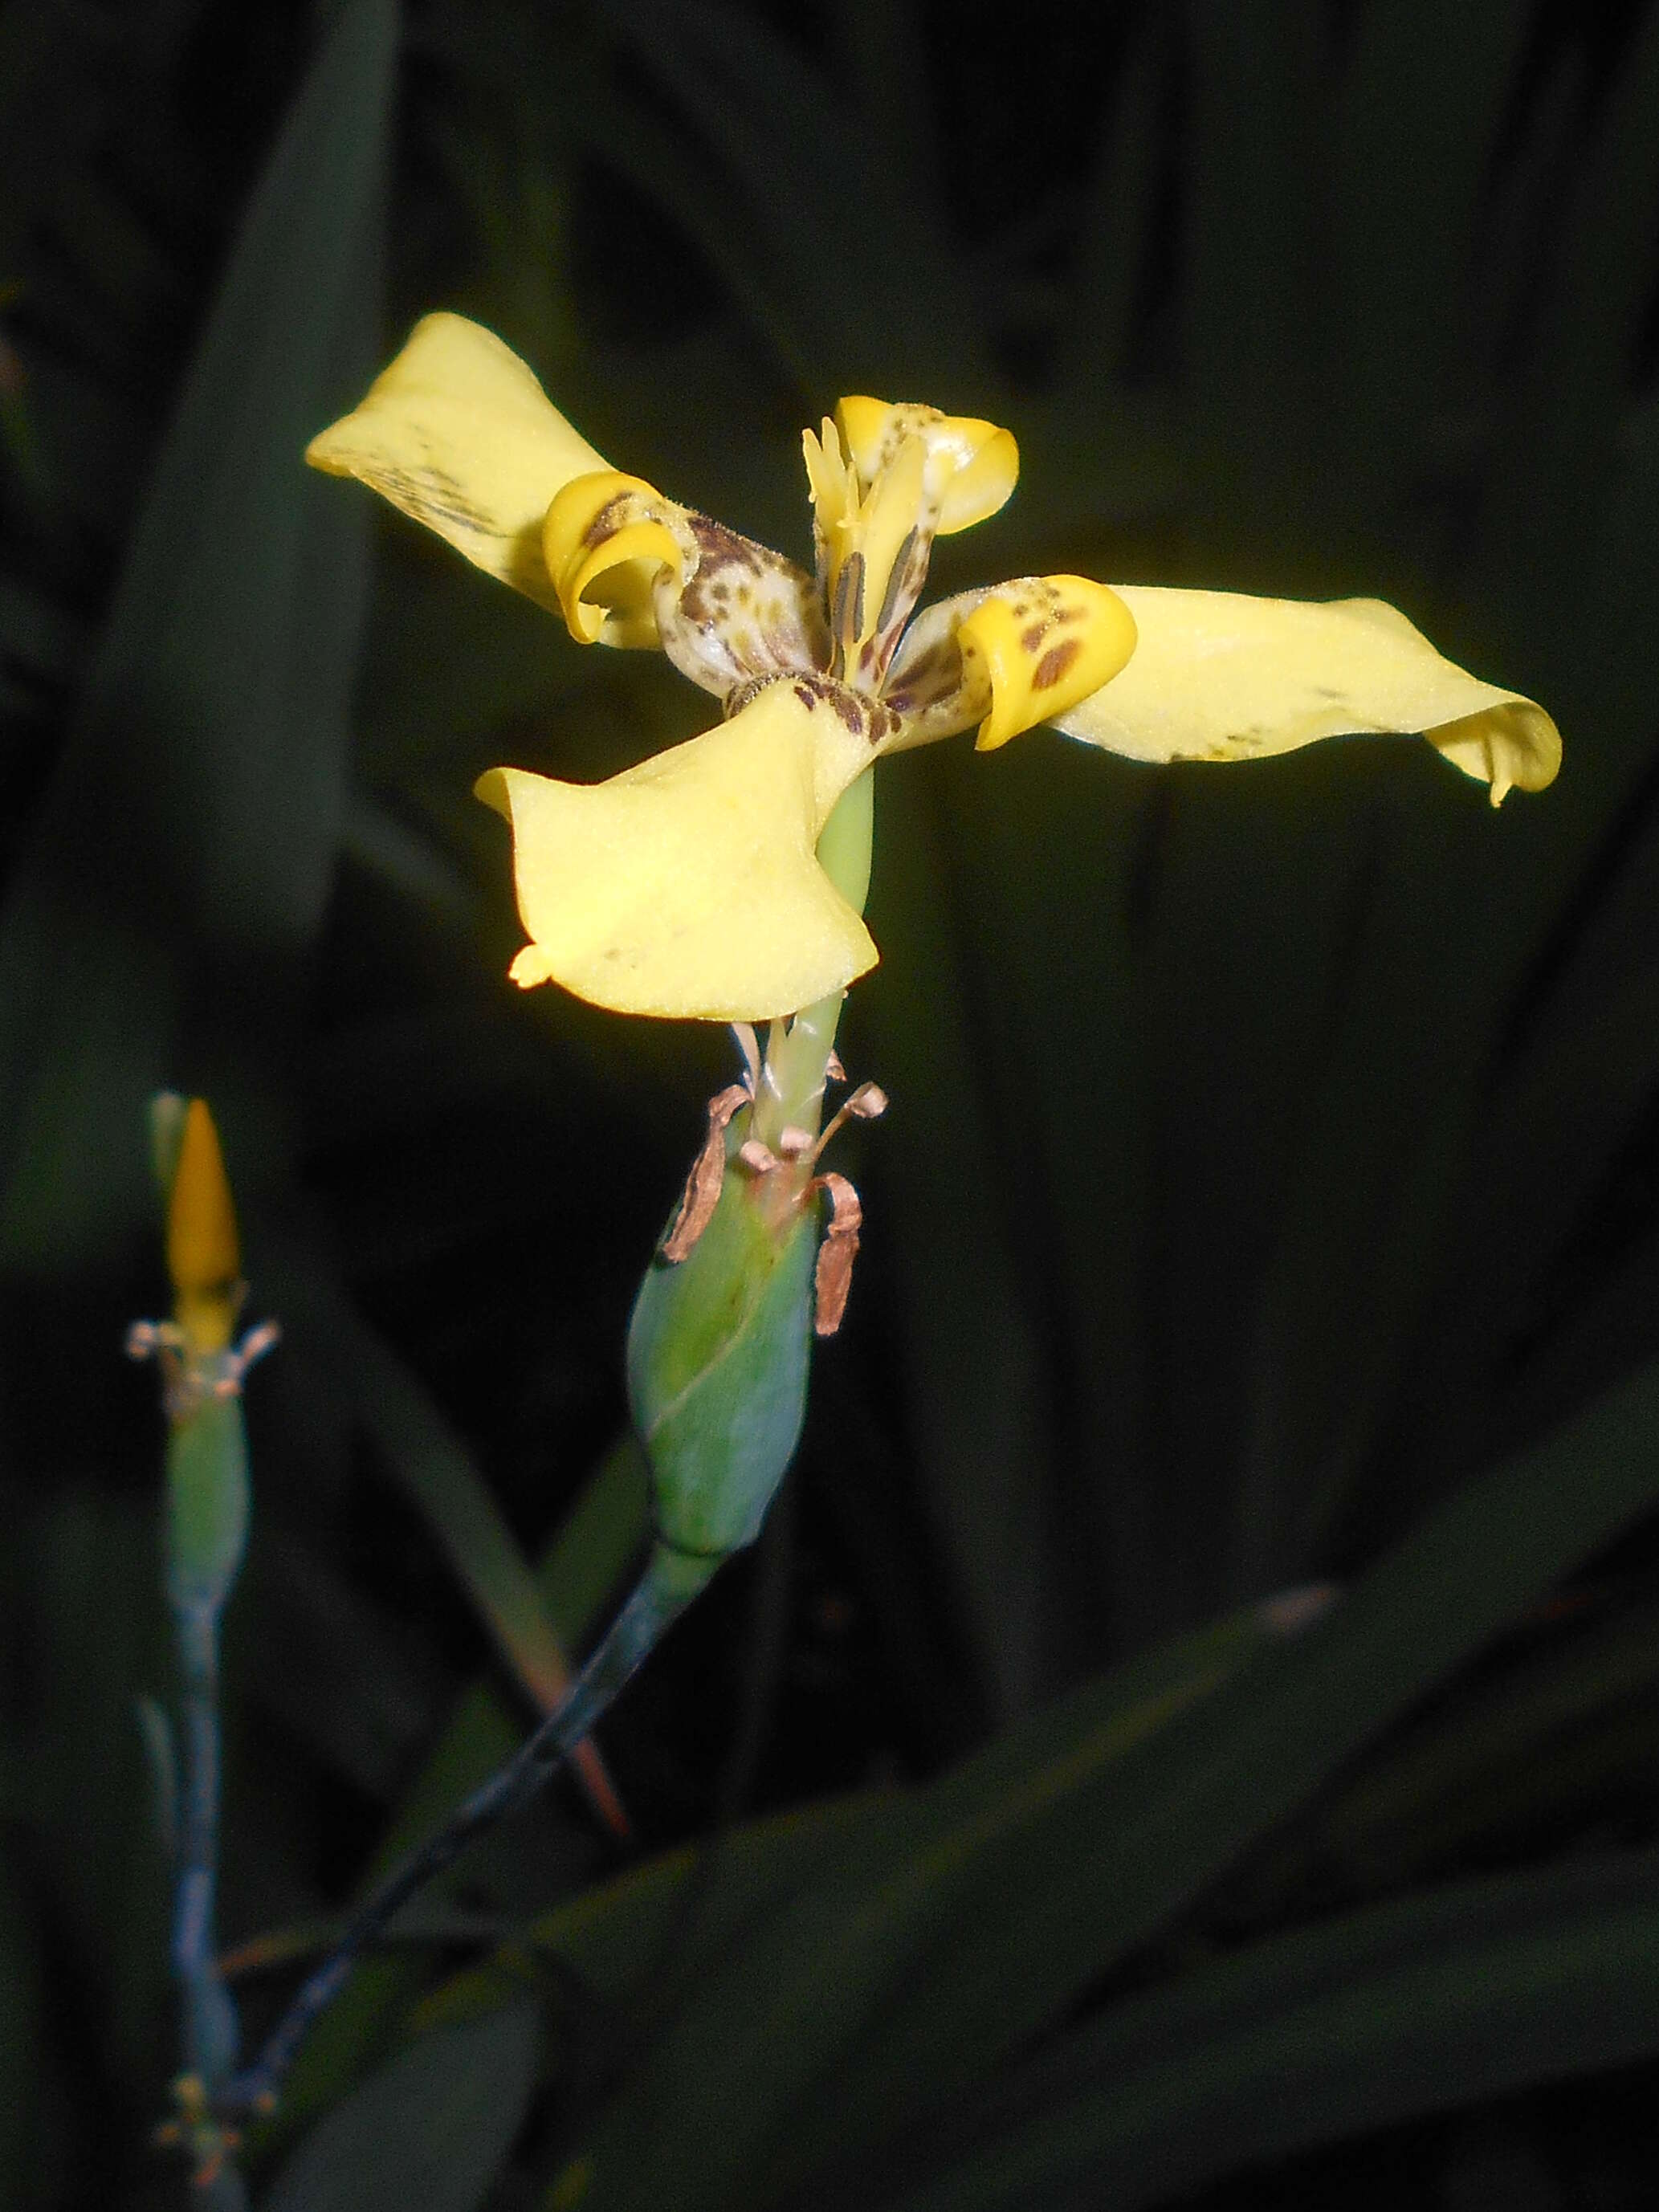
1271	1149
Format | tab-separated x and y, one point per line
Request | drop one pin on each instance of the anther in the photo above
832	1275
702	1186
146	1340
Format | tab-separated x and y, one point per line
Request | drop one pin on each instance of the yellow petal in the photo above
1031	649
1218	676
689	885
457	432
975	464
608	530
203	1256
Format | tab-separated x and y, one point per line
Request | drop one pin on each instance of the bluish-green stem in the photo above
792	1093
205	1533
210	2019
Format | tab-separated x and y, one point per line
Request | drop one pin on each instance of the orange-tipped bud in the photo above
203	1256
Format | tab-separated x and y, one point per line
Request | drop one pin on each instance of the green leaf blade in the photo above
432	2128
186	841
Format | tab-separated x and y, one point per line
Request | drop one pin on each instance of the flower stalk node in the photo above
779	1173
190	1378
197	2129
783	1181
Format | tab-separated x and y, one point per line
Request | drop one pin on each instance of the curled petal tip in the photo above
529	966
975	464
491	787
1512	746
1039	646
982	478
605	533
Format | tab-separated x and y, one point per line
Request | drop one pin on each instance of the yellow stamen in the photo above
883	559
834	486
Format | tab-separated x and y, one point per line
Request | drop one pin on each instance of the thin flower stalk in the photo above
663	1592
205	1534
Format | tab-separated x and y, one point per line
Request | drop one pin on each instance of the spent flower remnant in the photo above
689	885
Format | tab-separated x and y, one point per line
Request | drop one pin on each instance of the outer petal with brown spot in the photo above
457	432
1218	676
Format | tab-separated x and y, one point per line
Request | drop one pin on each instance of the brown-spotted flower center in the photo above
735	617
689	884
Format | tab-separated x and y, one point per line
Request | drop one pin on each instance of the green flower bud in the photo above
717	1353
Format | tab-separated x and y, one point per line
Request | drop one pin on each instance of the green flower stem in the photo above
792	1085
208	1490
719	1349
209	2017
844	848
665	1590
205	1535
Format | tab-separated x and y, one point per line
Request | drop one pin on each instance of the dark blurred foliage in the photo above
1271	1151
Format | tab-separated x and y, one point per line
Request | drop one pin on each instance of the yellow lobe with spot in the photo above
690	886
1220	676
203	1252
1036	647
604	532
459	436
975	464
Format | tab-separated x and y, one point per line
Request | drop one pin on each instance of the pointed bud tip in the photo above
203	1252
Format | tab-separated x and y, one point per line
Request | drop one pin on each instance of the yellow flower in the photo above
689	885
